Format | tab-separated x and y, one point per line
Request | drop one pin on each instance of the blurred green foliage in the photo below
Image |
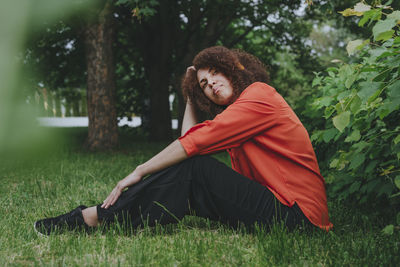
19	132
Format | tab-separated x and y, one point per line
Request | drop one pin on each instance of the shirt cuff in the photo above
188	145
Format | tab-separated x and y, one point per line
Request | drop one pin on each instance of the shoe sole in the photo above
37	232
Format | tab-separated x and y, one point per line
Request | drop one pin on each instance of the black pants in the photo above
205	187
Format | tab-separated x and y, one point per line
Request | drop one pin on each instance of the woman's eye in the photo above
215	72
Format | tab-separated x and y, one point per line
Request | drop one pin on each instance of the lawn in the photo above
69	176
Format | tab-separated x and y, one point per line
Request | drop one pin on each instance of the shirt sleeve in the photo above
254	112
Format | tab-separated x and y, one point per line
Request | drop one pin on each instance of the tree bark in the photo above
157	48
160	115
99	35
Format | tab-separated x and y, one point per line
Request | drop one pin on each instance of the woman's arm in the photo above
172	154
189	118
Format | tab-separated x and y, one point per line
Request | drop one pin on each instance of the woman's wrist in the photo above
139	171
132	178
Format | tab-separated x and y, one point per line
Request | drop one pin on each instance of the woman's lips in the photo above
216	90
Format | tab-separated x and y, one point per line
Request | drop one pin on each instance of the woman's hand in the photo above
131	179
171	155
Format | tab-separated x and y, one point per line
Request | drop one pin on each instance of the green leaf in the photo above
339	107
325	101
332	69
373	14
375	53
352	46
122	2
393	104
316	135
361	7
350	12
374	98
343	95
350	80
388	230
371	166
371	185
394	15
357	160
382	27
329	135
331	73
395	195
383	112
354	187
353	137
328	112
342	120
383	75
355	104
398	218
367	89
394	89
397	181
317	81
386	4
397	139
360	146
385	35
386	189
345	71
334	163
389	43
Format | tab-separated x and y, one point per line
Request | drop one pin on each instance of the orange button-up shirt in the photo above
267	143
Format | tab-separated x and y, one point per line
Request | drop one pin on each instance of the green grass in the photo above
48	186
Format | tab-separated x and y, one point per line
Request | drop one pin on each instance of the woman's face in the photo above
215	86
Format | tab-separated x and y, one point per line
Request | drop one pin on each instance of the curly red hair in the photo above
241	69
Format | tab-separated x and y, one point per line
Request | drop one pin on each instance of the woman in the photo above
275	175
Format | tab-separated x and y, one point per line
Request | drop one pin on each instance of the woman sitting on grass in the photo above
274	177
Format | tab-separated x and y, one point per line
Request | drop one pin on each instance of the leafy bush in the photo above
361	106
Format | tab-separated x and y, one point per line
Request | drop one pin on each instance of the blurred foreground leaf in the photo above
19	131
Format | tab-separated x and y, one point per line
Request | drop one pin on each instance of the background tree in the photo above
75	53
99	39
153	47
180	29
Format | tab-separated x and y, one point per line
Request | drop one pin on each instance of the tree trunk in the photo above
67	108
83	104
57	99
160	115
157	48
103	131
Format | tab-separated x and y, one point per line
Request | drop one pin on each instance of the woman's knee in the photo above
203	161
206	167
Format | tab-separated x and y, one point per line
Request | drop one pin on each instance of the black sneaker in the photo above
69	221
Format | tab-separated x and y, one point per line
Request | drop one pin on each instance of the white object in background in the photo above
84	122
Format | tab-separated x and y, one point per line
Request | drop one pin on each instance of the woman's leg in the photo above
141	202
160	198
208	188
220	192
90	216
200	184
